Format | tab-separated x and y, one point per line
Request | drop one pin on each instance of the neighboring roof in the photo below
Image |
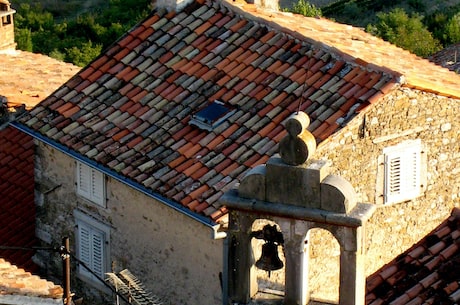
18	286
128	112
25	78
448	58
17	205
28	78
427	273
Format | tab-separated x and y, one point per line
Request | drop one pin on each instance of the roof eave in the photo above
178	207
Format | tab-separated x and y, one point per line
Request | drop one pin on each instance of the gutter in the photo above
216	234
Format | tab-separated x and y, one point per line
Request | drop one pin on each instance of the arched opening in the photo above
270	284
324	266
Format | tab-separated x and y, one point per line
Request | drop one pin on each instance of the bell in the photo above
269	259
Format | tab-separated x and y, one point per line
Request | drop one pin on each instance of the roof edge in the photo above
200	218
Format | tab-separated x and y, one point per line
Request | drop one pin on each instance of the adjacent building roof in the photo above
25	78
17	205
28	78
427	273
448	58
129	111
18	286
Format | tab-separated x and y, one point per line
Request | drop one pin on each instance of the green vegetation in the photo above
420	26
406	32
305	8
79	38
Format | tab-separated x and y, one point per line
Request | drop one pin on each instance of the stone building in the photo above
6	26
134	152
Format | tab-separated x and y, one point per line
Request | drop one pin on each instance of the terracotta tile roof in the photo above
17	205
17	282
448	58
130	109
427	273
28	78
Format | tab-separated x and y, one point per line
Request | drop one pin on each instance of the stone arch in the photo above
274	281
324	264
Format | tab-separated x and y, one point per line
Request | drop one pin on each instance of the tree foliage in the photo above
305	8
79	39
453	29
407	32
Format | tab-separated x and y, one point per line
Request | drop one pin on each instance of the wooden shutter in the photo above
90	184
83	180
91	249
84	247
402	174
97	240
97	187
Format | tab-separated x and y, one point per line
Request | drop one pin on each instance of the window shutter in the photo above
97	187
90	184
91	250
83	180
84	247
98	253
402	174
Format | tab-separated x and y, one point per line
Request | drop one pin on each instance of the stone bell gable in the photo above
298	195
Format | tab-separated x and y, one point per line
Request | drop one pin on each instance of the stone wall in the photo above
356	155
172	254
355	150
6	29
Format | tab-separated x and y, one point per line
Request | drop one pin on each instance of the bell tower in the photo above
298	194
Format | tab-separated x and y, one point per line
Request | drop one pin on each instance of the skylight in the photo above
212	115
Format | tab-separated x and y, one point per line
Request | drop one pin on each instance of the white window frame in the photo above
402	171
90	184
92	241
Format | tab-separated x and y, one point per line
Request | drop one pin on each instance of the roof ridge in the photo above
239	8
280	20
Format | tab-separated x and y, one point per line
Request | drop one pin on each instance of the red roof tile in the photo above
422	274
16	196
154	80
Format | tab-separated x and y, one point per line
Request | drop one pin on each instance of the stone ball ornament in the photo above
299	144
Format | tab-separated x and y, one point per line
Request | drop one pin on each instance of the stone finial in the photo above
299	144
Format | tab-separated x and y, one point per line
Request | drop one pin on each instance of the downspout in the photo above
216	234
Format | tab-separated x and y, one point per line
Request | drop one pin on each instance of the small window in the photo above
92	243
212	115
90	184
402	172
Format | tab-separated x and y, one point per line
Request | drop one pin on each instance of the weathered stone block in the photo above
297	185
253	184
337	195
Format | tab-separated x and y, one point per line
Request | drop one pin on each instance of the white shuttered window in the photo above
402	171
92	242
90	184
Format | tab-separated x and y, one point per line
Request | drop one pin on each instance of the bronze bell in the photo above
269	260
